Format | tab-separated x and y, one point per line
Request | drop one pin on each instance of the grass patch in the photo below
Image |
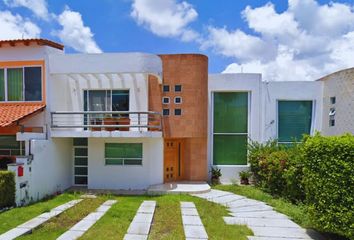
115	223
167	222
297	213
58	225
17	216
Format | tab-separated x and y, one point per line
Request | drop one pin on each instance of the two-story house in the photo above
127	121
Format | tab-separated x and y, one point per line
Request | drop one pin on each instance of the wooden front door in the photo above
173	163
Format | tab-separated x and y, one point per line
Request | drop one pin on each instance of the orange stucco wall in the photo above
190	71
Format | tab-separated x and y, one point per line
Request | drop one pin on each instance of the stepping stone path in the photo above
140	226
265	223
192	224
87	222
28	226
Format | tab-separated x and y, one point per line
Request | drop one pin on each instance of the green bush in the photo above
329	182
7	189
277	169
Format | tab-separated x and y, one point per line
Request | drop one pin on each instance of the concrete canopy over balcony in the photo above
104	63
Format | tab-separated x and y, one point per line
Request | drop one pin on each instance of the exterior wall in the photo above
250	83
118	177
49	172
341	86
190	71
274	91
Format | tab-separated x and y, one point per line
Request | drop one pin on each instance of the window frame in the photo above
123	159
5	68
168	100
180	85
247	134
176	109
313	115
103	89
174	100
163	113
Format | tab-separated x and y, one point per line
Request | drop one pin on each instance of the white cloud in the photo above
16	27
75	34
305	42
166	18
38	7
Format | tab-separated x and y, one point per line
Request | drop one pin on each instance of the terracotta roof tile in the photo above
12	112
38	41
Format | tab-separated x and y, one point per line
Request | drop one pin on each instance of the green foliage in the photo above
329	182
215	175
277	169
245	174
7	189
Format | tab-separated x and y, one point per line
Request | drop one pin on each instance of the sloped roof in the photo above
27	42
13	112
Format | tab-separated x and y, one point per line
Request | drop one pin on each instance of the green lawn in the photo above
167	222
296	212
17	216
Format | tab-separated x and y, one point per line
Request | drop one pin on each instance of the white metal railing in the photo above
107	120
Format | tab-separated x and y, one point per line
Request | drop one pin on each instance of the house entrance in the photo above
173	160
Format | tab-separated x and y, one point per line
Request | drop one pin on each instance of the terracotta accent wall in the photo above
190	71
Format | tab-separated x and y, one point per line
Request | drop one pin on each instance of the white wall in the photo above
118	177
300	90
50	170
236	83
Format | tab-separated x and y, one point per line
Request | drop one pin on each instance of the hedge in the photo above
277	169
7	189
329	182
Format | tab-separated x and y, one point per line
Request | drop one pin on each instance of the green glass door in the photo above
230	131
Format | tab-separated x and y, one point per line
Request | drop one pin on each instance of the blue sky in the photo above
270	37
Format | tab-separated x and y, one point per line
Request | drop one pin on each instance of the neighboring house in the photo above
118	121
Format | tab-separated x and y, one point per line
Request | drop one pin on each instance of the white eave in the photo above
102	63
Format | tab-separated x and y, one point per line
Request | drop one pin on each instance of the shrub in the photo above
215	175
7	189
277	169
329	182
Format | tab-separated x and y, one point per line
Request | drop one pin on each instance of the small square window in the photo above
333	100
178	100
165	100
166	88
178	111
178	88
332	122
166	111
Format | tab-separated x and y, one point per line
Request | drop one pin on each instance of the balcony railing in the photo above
108	121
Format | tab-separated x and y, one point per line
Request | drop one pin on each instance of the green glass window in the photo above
15	84
230	128
230	112
123	153
230	149
294	120
2	85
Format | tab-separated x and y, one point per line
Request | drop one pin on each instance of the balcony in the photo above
106	124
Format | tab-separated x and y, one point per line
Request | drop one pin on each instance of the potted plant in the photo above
244	177
109	120
124	120
215	175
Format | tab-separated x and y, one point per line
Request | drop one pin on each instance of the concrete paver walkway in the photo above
265	223
35	222
192	224
87	222
140	226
